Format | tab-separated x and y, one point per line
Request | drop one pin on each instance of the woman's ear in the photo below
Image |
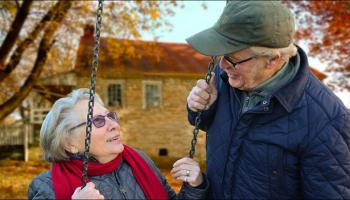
74	142
71	148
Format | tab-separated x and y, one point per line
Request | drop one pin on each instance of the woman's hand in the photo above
88	192
187	170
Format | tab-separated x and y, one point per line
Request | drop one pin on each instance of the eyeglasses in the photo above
99	120
234	64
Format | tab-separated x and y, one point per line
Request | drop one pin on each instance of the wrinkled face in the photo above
105	143
245	75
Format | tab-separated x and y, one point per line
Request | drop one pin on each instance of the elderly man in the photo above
273	129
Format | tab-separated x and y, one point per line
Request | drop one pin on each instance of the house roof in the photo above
119	58
131	58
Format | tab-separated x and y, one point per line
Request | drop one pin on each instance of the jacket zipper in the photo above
121	190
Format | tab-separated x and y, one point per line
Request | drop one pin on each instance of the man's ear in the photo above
275	60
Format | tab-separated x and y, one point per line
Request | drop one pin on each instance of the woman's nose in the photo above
111	124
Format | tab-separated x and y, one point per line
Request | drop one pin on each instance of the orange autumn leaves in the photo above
325	26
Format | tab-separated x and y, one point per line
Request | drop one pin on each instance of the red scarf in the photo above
66	175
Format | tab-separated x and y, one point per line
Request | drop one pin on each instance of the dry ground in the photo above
15	175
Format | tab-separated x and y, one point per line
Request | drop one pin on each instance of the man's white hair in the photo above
286	53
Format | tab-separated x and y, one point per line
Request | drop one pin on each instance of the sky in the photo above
190	20
193	18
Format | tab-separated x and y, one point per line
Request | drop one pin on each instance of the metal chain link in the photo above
92	91
197	121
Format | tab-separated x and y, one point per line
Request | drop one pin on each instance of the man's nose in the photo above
223	64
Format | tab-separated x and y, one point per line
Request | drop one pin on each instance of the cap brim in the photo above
209	42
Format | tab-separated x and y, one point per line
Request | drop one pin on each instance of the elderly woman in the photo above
116	171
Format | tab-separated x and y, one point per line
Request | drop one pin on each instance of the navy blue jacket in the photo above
294	144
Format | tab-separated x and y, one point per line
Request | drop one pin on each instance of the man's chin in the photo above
236	83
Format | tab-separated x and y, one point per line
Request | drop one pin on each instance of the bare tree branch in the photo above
13	33
46	42
23	45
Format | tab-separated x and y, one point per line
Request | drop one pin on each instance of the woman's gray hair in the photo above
286	53
57	123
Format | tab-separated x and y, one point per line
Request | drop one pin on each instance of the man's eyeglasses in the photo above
99	120
234	64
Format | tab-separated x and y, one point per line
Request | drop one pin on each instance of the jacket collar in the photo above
290	94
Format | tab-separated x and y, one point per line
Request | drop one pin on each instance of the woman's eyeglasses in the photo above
100	120
234	64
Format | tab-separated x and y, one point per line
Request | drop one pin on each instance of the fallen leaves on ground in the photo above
15	176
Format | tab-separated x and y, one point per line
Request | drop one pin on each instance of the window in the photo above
163	152
115	97
152	95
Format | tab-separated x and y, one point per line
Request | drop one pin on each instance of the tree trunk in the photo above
23	45
13	33
46	42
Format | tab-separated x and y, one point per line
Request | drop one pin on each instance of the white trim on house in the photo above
37	115
39	107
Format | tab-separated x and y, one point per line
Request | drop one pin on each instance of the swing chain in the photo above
197	120
92	91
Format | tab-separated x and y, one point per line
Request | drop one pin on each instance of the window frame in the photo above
144	101
122	91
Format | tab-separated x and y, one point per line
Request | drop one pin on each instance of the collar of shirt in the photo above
267	88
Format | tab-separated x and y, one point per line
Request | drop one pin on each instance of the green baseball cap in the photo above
244	24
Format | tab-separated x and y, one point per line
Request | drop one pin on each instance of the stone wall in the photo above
151	130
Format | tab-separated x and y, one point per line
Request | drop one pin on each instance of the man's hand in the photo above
203	95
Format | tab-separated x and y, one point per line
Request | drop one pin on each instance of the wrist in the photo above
198	181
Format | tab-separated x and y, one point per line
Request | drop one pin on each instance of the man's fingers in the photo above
203	93
196	106
184	160
199	99
203	85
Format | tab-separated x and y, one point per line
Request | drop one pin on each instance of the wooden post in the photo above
25	139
